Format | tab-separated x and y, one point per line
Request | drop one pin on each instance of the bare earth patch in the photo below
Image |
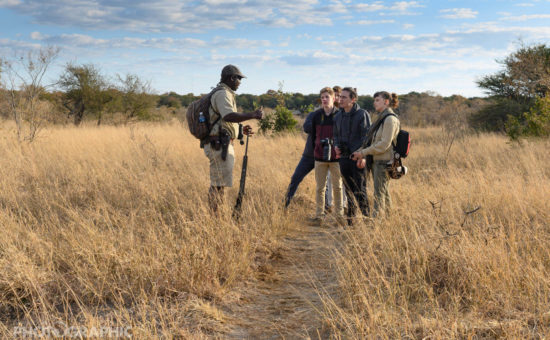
285	298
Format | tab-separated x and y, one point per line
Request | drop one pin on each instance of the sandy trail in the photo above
285	302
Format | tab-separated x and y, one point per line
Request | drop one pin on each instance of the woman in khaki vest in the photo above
380	143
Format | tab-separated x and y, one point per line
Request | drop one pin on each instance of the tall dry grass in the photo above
465	254
109	226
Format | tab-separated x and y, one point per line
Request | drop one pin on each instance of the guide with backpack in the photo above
385	147
213	119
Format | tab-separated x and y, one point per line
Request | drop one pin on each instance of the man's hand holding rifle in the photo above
246	130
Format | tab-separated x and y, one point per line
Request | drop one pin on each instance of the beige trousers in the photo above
321	170
221	172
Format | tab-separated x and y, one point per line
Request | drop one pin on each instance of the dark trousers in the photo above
303	168
355	182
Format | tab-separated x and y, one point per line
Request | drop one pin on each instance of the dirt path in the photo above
284	302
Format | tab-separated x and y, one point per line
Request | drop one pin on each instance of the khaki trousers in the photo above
381	179
221	172
321	170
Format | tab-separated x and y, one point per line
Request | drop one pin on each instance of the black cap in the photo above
230	70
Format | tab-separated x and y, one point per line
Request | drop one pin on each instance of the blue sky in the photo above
181	45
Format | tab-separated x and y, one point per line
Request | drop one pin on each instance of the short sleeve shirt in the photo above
223	102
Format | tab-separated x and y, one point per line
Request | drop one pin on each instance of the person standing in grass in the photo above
351	125
307	161
322	133
305	165
218	147
379	147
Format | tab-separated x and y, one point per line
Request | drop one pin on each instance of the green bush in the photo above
284	120
534	123
279	120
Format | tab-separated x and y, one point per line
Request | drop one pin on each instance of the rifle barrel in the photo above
237	210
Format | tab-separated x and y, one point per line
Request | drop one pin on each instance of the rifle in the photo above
237	209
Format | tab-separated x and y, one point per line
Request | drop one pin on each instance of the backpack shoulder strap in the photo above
218	88
384	118
392	114
374	128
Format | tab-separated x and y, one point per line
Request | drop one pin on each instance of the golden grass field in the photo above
109	226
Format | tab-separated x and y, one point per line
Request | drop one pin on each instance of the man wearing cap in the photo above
219	147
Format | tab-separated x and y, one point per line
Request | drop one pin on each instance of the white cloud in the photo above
526	17
376	6
371	22
225	2
408	26
404	6
195	16
458	13
167	44
446	45
337	7
512	32
8	46
237	43
174	15
38	36
398	8
9	3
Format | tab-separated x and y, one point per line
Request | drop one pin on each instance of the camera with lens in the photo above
345	152
395	168
327	143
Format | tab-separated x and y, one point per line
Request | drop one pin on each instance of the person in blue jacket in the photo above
306	164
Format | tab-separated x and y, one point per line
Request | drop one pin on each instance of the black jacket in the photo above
350	128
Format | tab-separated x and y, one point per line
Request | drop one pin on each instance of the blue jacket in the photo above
350	128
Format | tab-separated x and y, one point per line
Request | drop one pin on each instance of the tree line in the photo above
417	109
517	101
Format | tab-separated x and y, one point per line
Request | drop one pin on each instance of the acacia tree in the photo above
524	78
85	91
526	75
23	81
136	98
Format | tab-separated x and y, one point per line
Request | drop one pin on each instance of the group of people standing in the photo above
340	141
343	144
